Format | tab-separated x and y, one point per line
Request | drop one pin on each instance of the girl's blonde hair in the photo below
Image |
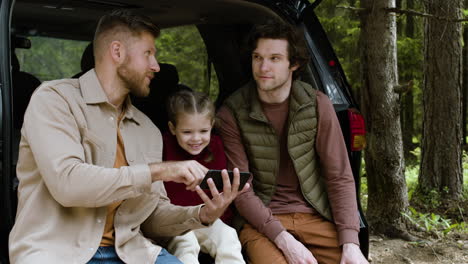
189	102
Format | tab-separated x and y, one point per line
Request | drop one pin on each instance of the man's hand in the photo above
188	172
352	255
294	251
215	207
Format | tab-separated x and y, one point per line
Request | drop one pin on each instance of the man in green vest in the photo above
302	207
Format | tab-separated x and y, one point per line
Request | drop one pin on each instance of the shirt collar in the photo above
91	88
131	111
93	93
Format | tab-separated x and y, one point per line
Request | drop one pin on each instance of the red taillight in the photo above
357	129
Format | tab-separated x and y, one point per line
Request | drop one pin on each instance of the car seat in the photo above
24	85
163	85
87	60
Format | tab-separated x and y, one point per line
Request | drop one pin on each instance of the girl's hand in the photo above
215	207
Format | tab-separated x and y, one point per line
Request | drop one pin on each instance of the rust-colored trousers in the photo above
317	234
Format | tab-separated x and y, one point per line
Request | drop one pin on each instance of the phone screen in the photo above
218	179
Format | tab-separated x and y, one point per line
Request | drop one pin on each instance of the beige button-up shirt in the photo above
66	174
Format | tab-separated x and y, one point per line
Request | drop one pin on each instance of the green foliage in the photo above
434	223
364	190
429	201
465	176
429	221
410	68
184	47
343	31
410	57
412	174
50	58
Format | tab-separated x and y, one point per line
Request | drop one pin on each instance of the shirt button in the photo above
91	249
111	119
99	221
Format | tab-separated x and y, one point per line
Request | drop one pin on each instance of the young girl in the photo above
191	117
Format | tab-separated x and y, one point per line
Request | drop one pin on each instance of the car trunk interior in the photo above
77	19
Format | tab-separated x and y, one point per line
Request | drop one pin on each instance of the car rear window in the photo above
51	58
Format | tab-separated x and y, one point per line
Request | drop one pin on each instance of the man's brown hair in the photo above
277	29
119	25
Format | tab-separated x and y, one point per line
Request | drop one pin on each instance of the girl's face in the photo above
193	131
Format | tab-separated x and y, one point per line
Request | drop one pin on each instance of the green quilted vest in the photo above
261	144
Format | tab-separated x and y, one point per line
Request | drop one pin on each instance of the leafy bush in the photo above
434	223
190	60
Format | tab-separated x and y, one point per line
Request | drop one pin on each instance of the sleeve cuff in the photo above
141	178
348	236
273	229
194	221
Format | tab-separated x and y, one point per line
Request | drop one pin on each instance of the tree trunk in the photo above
465	81
380	106
441	156
408	98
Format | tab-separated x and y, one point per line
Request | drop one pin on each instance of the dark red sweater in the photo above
212	157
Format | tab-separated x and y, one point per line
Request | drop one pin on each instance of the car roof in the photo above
75	19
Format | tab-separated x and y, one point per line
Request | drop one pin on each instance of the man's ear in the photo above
294	67
171	127
117	51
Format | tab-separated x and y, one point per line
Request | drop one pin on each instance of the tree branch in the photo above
352	8
406	12
416	13
403	88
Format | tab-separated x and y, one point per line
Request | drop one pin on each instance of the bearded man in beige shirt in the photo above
90	171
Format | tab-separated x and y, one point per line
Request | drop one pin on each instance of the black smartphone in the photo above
218	179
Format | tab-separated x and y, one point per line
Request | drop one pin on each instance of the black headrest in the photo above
15	62
87	59
165	80
20	42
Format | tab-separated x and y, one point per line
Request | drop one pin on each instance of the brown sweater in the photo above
108	238
288	198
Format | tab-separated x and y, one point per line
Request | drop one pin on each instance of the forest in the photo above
406	61
407	64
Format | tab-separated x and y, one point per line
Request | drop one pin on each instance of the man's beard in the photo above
133	81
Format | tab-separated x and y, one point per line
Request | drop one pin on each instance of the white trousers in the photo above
219	240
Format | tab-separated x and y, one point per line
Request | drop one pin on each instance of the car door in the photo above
6	202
